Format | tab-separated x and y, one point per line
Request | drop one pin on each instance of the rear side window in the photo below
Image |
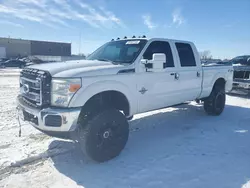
186	55
160	47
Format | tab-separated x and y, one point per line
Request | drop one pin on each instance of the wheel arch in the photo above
120	94
220	82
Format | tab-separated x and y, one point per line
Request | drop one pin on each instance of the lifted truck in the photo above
91	100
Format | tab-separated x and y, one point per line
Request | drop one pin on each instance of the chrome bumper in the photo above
241	84
69	117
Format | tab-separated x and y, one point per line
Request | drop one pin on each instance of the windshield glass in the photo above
123	51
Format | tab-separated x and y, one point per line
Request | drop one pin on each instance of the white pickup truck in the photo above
92	100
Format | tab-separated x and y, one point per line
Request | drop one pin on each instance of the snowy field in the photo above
9	72
177	147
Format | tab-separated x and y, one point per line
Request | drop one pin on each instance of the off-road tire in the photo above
215	103
104	136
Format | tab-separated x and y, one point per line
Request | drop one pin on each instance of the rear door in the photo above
190	73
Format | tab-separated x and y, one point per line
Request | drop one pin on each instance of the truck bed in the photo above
210	72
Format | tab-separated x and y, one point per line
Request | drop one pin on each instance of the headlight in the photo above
63	89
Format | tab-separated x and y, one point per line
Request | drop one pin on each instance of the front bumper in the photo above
239	84
49	120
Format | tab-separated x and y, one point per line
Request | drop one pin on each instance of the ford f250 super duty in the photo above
92	100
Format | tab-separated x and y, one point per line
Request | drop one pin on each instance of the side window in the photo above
186	55
160	47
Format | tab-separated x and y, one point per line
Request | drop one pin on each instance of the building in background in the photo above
47	51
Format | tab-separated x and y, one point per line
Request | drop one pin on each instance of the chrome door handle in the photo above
176	75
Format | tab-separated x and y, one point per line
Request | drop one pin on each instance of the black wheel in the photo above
215	103
104	136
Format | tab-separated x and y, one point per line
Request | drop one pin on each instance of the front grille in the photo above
35	87
242	74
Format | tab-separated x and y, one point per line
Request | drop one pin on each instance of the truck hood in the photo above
239	67
79	68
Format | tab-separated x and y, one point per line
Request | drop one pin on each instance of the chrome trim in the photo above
37	81
29	80
30	98
41	95
69	117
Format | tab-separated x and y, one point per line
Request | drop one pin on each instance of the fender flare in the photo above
85	93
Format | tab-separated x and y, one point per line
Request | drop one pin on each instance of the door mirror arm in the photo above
147	65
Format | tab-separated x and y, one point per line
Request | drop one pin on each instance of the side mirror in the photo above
156	64
159	57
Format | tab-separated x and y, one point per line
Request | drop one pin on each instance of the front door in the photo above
157	89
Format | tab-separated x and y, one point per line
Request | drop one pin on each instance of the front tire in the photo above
104	136
215	103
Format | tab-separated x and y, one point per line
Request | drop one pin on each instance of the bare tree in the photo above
205	55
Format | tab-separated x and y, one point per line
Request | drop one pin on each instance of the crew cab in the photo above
92	100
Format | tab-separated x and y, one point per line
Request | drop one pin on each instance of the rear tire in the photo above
215	103
104	136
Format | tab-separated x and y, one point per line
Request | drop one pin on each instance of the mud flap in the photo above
20	116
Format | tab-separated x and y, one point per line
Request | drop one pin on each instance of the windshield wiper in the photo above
116	62
102	59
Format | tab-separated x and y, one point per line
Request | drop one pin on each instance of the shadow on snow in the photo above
180	148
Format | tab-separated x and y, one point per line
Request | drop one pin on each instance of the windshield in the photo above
123	51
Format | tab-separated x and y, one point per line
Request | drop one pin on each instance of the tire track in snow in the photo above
26	164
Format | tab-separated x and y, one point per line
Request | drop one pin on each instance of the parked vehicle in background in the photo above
3	59
13	63
92	99
241	80
210	61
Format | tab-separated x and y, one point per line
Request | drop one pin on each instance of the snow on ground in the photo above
9	72
173	147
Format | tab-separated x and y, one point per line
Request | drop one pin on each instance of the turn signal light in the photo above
74	87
